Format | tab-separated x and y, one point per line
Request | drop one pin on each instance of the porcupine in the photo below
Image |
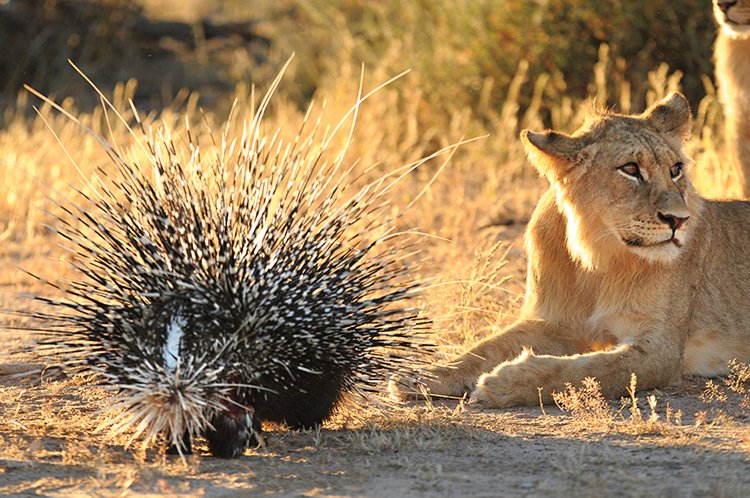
212	298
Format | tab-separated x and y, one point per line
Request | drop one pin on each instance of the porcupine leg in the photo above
187	447
306	409
232	434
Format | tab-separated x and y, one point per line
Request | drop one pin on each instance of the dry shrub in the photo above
591	410
586	403
734	387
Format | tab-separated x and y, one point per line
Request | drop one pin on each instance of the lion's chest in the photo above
616	324
622	309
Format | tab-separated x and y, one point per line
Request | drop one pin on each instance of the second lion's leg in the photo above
738	142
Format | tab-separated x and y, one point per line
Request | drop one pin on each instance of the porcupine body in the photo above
226	286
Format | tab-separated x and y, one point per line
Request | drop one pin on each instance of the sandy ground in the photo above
690	447
418	450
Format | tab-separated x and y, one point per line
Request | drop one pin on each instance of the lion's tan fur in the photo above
732	58
614	285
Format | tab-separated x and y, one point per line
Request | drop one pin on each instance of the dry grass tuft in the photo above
734	387
591	411
587	404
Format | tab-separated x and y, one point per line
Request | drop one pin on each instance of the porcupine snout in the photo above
231	433
228	426
162	403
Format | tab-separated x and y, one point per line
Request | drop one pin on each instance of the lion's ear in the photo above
553	154
671	116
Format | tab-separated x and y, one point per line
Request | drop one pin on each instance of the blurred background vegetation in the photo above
462	53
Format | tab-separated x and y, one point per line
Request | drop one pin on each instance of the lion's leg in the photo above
743	156
460	376
653	358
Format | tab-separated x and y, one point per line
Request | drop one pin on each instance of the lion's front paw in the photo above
507	385
493	393
439	382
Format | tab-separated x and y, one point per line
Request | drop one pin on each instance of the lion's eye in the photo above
631	169
676	171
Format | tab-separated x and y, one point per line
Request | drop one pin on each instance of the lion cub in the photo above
629	271
732	57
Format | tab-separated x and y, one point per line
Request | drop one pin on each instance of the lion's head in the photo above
621	183
733	16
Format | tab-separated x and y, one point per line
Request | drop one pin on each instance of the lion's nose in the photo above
673	221
724	6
